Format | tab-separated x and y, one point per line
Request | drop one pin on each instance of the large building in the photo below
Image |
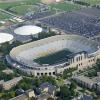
5	37
87	82
84	52
28	30
11	83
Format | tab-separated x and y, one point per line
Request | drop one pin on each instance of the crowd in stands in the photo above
33	16
76	22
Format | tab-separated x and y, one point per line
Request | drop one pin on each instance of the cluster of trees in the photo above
44	35
67	92
2	65
30	82
82	3
25	84
4	76
95	70
98	64
91	74
5	95
6	47
68	72
38	81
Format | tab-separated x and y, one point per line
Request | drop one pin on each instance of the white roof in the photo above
5	37
28	30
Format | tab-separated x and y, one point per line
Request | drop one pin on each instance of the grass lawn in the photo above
21	6
53	58
92	2
22	9
65	6
6	5
4	15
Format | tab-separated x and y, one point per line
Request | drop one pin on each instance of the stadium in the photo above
80	52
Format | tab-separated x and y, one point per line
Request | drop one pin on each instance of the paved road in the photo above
2	10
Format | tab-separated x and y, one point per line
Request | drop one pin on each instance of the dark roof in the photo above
37	91
51	88
19	91
43	96
20	97
46	84
86	97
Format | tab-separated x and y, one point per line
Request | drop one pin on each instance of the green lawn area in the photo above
20	6
53	58
22	9
92	2
65	6
4	15
6	5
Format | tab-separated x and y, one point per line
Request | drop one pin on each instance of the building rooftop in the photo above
51	88
20	97
85	79
5	37
7	71
89	80
44	96
28	30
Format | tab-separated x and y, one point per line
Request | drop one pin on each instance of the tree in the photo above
98	64
50	98
37	82
72	88
65	93
73	85
58	98
6	47
49	79
2	65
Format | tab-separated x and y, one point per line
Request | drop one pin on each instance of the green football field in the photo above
53	58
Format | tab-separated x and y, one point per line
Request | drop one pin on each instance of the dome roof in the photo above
5	37
28	30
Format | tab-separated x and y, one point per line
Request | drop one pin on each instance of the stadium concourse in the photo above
83	52
85	22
